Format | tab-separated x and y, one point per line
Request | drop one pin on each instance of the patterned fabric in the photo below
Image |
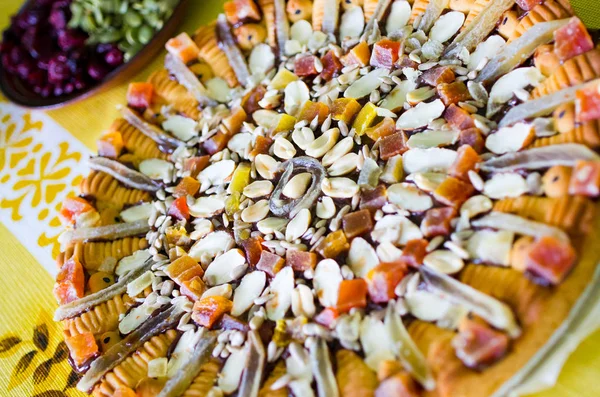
42	160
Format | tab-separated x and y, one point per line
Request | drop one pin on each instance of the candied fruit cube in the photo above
352	293
250	100
217	142
230	322
240	178
572	39
311	109
70	282
414	252
270	263
82	347
344	109
453	93
437	221
110	144
357	223
187	185
234	121
193	288
383	279
300	260
327	317
453	192
386	127
241	11
183	269
528	5
550	259
333	244
393	145
183	47
439	75
207	311
585	179
306	66
405	62
253	249
194	165
385	54
478	345
472	137
261	146
280	81
399	384
177	235
72	208
331	66
373	199
466	160
365	118
139	95
459	118
180	209
358	55
587	105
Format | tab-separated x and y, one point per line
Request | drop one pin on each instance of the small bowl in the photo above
15	91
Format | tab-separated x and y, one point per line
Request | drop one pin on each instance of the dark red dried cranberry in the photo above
114	57
25	68
58	70
97	71
45	91
69	88
71	39
36	78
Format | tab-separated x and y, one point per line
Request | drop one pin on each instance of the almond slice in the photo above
220	270
362	258
421	115
281	287
510	139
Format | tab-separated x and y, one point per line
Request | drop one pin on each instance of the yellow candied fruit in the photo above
280	335
284	123
100	280
334	244
344	109
232	204
365	118
240	178
282	79
177	235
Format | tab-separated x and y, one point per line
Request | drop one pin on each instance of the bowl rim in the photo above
15	91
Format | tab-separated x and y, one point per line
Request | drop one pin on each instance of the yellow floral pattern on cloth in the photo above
40	164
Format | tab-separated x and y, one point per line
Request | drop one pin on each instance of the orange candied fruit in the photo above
71	208
357	223
453	92
235	120
550	259
82	347
385	54
352	293
311	109
110	144
139	95
414	252
70	282
194	165
466	160
183	47
179	209
334	244
585	179
253	249
193	288
439	75
184	268
270	263
331	66
241	11
187	185
386	127
208	311
345	109
300	261
393	145
261	146
359	55
383	279
453	192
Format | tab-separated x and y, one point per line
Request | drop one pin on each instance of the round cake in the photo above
340	198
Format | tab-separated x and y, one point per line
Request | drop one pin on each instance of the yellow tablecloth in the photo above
40	162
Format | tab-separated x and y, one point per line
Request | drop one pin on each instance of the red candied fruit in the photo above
331	66
352	293
72	208
435	76
270	263
458	118
300	261
373	199
305	66
437	221
587	104
139	95
392	145
585	179
238	11
383	279
414	252
572	39
327	317
550	259
179	209
385	54
528	5
478	345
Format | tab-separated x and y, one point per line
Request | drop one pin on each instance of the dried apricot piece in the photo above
478	345
352	293
585	180
311	109
187	186
459	118
473	138
70	282
466	160
358	55
439	75
72	208
333	244
234	121
300	261
453	92
241	11
414	252
385	54
344	109
357	223
437	221
383	279
110	144
393	145
550	259
207	311
453	192
261	146
184	268
270	263
386	127
331	66
139	95
572	39
253	249
251	99
193	288
82	347
194	165
183	47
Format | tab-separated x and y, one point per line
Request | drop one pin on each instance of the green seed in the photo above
133	19
145	34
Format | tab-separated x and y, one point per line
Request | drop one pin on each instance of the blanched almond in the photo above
407	196
427	181
427	306
395	229
429	139
476	205
301	31
250	288
505	87
182	127
510	139
505	185
211	245
231	374
421	115
361	257
137	212
261	59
